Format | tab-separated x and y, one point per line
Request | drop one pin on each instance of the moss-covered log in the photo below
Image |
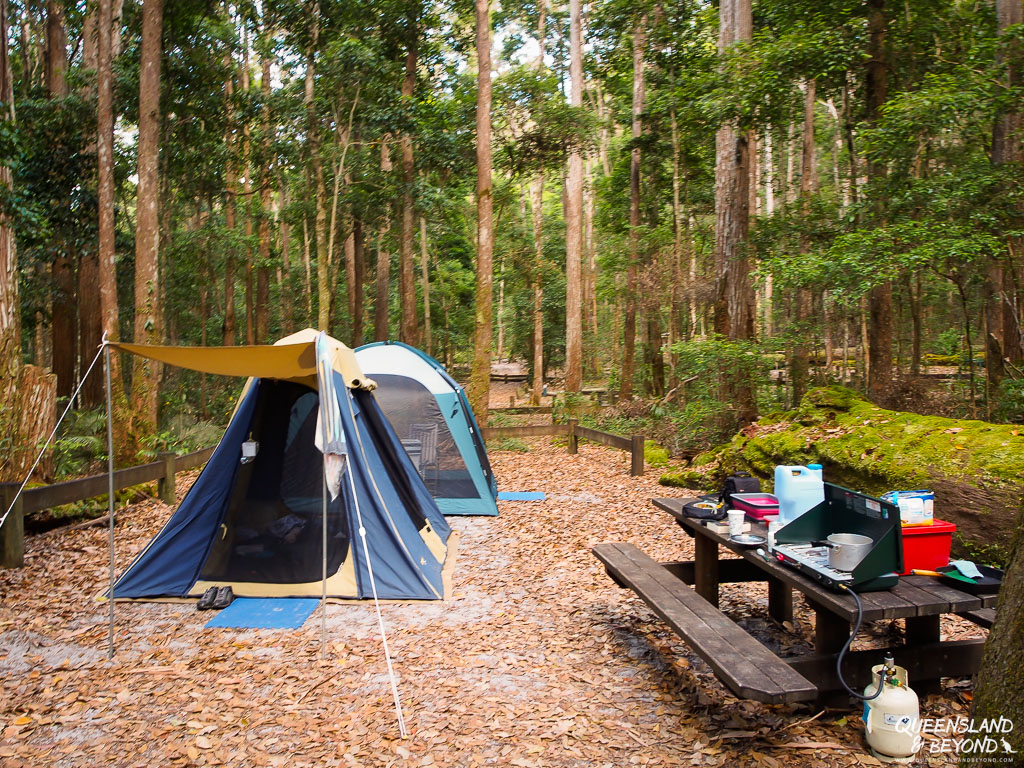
974	468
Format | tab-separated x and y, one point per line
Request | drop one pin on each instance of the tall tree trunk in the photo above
323	266
383	275
734	311
383	293
537	278
148	324
287	297
480	378
107	273
589	270
675	324
999	289
410	327
629	323
574	217
230	326
63	302
799	365
358	243
248	208
428	339
263	227
880	327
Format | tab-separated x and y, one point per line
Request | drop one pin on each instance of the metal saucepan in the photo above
846	550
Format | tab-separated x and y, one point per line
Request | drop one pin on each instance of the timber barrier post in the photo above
12	534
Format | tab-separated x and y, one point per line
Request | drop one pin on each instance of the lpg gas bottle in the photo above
892	720
798	490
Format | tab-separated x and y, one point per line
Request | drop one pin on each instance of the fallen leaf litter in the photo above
538	659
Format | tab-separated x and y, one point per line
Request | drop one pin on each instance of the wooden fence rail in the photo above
634	444
12	534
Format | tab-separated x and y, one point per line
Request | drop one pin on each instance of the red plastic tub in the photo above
926	547
756	505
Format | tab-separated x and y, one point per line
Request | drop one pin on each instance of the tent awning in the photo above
284	360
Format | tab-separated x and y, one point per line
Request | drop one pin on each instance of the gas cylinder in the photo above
892	720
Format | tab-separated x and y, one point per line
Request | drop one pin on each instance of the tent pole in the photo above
323	596
110	495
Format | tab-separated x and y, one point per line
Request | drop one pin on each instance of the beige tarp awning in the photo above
293	358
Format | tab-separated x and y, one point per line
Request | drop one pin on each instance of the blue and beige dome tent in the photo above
432	417
258	516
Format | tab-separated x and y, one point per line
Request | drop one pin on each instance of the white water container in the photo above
798	490
892	721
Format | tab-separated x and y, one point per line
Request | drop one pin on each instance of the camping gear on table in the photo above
846	550
926	547
426	405
797	544
258	526
916	507
758	506
989	580
798	490
708	507
739	482
892	718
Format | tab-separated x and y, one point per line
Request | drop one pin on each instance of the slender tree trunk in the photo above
263	226
105	190
410	328
248	208
428	339
358	322
537	213
480	379
63	302
148	322
230	324
382	296
880	328
675	326
574	217
323	266
590	270
287	298
629	323
800	363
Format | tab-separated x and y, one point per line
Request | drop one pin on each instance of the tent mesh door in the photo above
272	529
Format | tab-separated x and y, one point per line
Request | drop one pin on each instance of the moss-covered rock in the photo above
974	468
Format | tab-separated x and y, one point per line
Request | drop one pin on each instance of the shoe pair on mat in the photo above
215	598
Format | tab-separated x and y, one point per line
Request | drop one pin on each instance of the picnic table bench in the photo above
747	668
751	670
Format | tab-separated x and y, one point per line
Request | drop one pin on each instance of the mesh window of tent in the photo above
429	412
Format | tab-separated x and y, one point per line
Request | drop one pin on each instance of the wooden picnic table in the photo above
919	600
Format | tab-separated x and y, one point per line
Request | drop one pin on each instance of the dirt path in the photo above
538	660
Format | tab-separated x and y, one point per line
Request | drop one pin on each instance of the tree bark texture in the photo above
880	307
999	684
107	266
537	214
62	323
428	341
27	393
480	378
148	326
574	217
410	327
629	322
323	266
383	280
734	304
800	364
230	326
263	225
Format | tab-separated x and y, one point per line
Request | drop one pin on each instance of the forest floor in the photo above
538	659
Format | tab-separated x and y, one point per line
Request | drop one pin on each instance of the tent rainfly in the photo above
429	411
258	519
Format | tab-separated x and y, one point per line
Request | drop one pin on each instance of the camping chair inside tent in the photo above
429	410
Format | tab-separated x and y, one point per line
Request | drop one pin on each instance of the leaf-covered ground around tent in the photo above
537	660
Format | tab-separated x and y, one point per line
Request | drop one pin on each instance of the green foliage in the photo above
654	454
80	446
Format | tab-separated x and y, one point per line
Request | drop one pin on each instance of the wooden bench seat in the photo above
983	617
747	668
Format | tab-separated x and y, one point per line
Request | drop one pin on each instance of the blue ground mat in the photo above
265	613
521	496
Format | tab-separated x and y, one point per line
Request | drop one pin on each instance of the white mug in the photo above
735	522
